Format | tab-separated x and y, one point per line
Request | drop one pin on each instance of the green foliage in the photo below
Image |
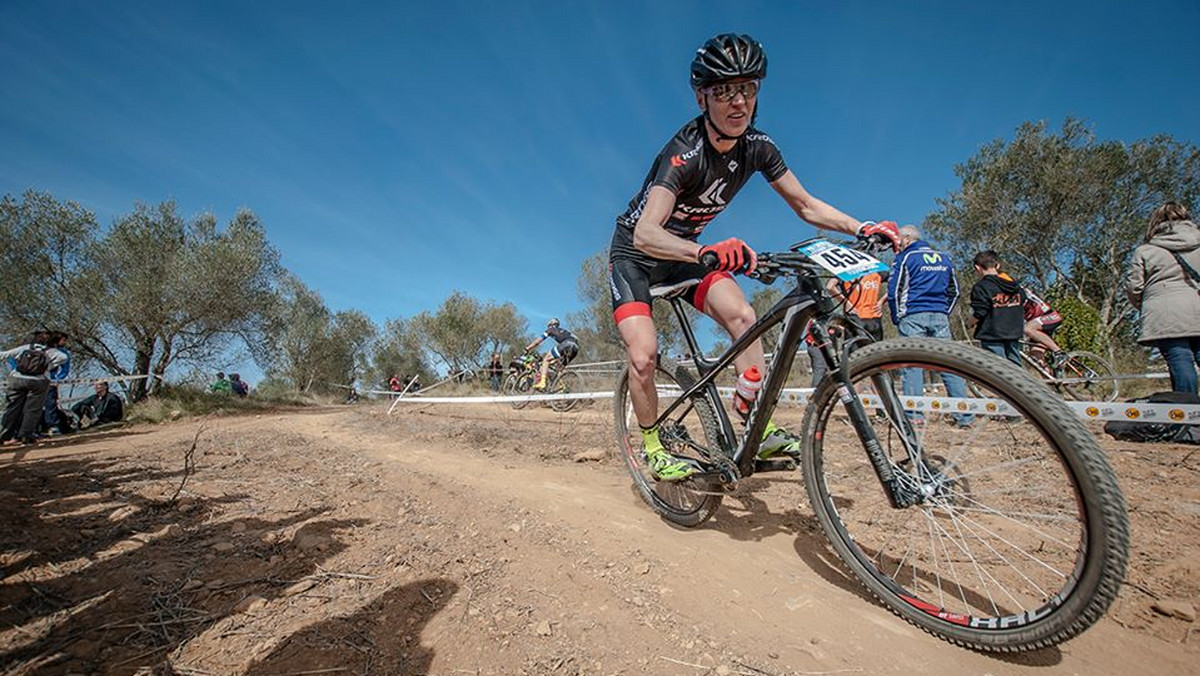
464	331
154	290
174	402
1080	328
399	353
1064	210
315	349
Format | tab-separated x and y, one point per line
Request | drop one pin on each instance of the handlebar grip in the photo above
709	260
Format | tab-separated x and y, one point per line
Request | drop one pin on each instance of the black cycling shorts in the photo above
630	282
565	351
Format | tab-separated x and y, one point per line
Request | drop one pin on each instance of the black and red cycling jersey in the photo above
702	180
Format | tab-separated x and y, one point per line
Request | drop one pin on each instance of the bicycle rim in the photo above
1021	539
1088	377
565	382
692	501
518	384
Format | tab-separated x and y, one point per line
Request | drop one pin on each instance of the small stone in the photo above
192	584
543	628
174	414
516	527
123	513
238	527
723	670
1174	608
590	456
644	569
223	547
250	604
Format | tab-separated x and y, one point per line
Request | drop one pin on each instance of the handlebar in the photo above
771	266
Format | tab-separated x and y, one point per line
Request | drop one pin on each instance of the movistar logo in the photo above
932	258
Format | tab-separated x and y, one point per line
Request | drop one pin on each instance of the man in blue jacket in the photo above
922	291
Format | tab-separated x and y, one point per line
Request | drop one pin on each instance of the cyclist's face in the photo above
730	105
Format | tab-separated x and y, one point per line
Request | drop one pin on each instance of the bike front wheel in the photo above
691	433
517	384
1018	538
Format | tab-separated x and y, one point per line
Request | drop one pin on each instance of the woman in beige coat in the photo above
1160	286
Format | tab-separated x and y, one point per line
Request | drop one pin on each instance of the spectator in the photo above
53	417
997	309
102	407
237	385
221	385
1164	283
394	384
864	298
921	293
27	386
495	371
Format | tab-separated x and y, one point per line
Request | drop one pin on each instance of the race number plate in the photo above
847	264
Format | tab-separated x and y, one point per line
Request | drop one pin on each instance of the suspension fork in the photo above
837	356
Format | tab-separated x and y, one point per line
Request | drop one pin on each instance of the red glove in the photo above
884	229
732	255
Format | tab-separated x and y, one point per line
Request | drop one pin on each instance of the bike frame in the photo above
807	301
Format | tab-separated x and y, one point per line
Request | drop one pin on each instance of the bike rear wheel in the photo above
1087	377
1019	540
563	382
692	433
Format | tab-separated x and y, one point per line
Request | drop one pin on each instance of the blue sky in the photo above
399	151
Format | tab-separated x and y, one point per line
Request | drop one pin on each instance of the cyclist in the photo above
1041	321
690	183
566	347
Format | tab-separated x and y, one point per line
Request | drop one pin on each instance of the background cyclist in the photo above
690	182
1041	321
566	347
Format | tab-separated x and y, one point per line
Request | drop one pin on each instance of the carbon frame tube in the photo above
760	413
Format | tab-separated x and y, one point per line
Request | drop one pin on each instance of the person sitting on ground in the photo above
221	385
27	385
237	385
997	309
566	347
102	407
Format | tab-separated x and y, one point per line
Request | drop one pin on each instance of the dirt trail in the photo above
465	540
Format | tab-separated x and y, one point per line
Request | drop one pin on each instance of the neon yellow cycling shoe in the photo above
778	441
666	467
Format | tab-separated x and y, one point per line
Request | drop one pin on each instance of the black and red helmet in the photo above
728	57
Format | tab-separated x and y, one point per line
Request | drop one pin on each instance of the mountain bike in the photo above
1079	375
1007	535
524	372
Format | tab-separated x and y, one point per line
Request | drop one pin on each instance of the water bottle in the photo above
748	385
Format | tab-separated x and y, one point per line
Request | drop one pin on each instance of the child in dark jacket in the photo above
997	308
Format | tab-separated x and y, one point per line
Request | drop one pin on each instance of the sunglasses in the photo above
727	91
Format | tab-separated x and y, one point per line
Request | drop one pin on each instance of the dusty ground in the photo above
467	540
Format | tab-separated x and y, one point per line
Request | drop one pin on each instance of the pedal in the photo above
782	463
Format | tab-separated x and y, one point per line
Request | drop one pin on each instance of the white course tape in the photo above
1184	414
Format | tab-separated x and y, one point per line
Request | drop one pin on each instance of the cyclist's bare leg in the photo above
545	370
641	346
726	304
1041	341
